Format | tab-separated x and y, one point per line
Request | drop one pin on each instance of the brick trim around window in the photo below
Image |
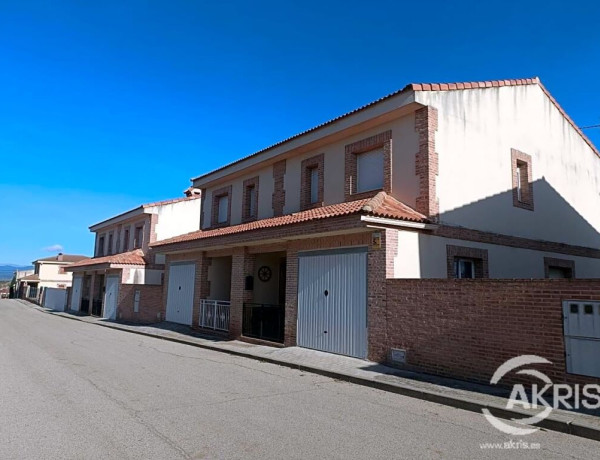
278	201
562	263
317	162
479	257
518	159
248	183
377	141
426	162
216	195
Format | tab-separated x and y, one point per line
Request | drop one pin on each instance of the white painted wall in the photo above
478	128
424	256
50	276
177	218
142	276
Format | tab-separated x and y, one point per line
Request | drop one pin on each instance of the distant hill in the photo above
7	271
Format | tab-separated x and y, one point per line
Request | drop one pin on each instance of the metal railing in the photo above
214	314
263	321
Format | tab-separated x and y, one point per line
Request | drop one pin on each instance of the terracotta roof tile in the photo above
381	205
135	257
63	258
33	277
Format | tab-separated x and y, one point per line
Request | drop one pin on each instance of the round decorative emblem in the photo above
264	273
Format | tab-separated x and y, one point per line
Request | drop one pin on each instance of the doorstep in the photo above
446	391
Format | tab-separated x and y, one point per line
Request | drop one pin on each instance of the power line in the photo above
589	127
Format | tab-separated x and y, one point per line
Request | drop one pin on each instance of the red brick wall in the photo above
151	305
467	328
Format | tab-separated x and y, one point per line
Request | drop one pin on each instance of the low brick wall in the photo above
150	308
467	328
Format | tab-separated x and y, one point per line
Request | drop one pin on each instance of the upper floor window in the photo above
110	244
138	237
250	211
368	166
312	182
222	209
521	180
369	171
100	248
126	240
221	206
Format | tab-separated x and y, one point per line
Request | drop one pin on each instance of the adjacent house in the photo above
48	272
435	181
124	278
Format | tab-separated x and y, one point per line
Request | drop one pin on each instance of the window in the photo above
138	237
559	268
250	211
110	244
312	182
126	240
464	268
466	262
100	248
368	166
223	206
369	171
314	185
521	180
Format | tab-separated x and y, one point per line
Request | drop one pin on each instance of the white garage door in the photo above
332	301
180	295
110	297
76	293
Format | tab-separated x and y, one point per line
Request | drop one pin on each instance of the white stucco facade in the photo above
477	129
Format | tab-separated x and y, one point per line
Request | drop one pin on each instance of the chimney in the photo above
191	191
59	257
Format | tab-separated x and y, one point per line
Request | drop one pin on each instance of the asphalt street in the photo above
74	390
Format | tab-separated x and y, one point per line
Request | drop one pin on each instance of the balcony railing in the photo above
263	321
214	314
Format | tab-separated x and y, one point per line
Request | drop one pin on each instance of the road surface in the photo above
74	390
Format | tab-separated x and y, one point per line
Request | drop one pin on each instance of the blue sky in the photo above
107	105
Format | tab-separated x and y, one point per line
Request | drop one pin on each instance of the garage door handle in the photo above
324	332
326	293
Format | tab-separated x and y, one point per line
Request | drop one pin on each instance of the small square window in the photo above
223	209
574	308
369	171
464	268
588	309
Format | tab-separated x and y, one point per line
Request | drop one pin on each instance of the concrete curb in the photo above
551	423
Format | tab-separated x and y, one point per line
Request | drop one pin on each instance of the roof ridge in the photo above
374	202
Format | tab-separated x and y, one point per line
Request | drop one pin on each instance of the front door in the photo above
110	297
332	301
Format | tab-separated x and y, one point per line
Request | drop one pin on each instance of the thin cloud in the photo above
54	248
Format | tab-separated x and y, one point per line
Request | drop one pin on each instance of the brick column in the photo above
201	285
291	298
242	265
377	298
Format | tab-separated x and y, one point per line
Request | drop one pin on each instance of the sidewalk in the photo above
450	392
